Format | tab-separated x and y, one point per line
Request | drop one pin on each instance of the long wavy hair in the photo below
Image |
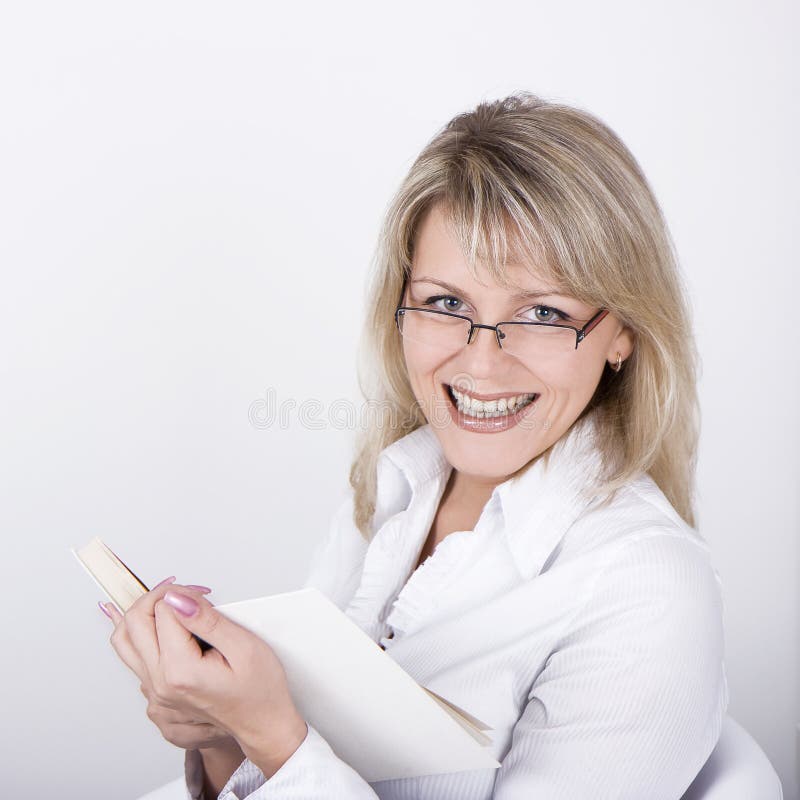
545	183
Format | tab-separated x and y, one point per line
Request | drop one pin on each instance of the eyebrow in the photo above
456	290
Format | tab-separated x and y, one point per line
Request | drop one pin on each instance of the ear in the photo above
622	343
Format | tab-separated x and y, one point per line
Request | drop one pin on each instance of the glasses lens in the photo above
536	342
433	329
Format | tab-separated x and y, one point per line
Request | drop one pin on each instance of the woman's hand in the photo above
183	730
220	753
239	687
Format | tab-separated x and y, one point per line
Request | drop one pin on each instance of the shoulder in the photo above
652	580
664	573
646	563
637	511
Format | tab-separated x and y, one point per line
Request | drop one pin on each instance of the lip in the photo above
492	424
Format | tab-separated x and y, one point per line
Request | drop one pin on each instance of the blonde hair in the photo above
549	185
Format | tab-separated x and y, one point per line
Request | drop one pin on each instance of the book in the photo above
374	715
115	579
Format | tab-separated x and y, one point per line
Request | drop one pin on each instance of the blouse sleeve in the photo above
631	702
312	772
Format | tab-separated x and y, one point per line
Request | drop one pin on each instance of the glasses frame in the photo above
580	333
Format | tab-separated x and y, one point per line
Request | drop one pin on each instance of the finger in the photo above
175	716
177	646
140	625
114	614
171	715
191	737
111	611
181	655
198	616
122	644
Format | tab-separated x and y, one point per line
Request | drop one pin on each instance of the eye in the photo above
450	303
547	314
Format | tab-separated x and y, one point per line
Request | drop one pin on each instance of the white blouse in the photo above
588	637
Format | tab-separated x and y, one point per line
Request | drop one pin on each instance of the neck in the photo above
472	488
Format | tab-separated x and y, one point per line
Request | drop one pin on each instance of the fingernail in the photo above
104	609
166	580
203	589
181	603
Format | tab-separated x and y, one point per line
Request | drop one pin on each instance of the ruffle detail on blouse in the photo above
396	545
425	596
383	574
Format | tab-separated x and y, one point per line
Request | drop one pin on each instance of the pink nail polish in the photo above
104	609
181	603
166	580
197	588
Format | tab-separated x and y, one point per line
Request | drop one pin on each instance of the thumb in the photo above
198	616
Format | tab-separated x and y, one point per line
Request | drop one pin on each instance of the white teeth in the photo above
490	408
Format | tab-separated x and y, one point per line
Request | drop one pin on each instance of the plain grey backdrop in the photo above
190	195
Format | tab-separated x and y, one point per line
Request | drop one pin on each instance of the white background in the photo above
189	199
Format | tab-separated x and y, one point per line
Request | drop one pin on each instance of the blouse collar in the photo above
538	506
403	467
541	504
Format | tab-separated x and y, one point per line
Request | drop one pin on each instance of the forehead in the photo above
438	256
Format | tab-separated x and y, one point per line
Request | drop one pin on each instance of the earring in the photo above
618	366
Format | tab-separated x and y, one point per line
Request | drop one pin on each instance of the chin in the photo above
484	460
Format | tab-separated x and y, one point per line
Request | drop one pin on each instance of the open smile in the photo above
488	413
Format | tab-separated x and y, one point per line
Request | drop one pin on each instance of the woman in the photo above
519	535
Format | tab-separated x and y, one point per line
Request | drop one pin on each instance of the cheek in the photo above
577	378
421	364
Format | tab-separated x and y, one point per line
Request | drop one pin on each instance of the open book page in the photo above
374	715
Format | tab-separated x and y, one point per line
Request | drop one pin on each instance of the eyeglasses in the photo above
449	332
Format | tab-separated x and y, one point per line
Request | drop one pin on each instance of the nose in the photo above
483	351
